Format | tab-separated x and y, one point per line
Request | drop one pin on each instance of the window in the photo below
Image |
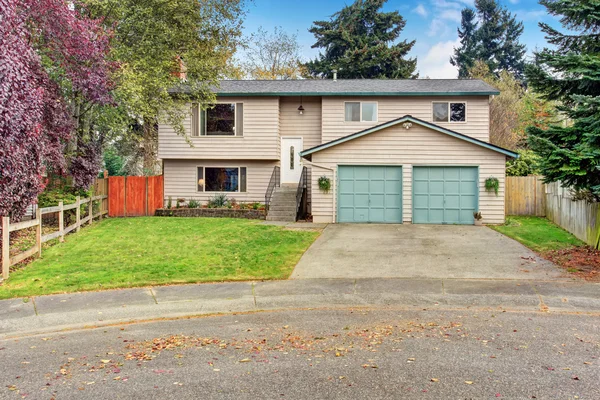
291	157
449	112
221	179
356	111
224	119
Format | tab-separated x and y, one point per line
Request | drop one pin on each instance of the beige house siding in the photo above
307	125
414	147
389	108
180	179
260	138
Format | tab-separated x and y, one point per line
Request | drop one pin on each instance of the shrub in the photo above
219	200
169	203
526	164
193	203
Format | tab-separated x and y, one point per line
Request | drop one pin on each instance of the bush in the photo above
526	164
218	201
193	203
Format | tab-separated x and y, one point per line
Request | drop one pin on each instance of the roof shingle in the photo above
354	87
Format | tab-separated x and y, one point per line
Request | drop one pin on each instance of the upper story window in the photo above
359	111
449	112
224	119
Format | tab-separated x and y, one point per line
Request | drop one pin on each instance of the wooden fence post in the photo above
61	222
5	247
91	210
78	213
38	231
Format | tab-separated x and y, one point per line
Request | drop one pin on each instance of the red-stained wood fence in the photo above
134	196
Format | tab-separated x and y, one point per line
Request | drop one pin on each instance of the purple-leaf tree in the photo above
49	54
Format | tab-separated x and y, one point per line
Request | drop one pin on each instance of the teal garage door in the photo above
370	194
444	195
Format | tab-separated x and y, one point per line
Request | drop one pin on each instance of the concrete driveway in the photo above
420	251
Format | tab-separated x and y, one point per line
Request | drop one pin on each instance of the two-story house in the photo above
392	151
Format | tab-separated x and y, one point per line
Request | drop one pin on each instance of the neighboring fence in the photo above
524	195
134	196
7	227
579	217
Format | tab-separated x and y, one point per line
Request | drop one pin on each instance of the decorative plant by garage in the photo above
324	184
492	184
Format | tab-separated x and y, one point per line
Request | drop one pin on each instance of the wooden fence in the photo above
580	217
134	196
524	195
7	227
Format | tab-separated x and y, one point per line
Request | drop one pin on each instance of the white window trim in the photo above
450	122
360	111
235	103
239	168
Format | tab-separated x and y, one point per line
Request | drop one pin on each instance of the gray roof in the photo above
355	87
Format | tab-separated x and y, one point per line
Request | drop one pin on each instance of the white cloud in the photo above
421	11
452	15
436	62
513	1
438	27
531	15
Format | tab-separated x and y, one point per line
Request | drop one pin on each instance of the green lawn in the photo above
539	234
130	252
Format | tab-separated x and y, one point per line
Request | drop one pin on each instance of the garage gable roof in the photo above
409	118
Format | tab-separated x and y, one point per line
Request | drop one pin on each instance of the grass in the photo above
133	252
539	234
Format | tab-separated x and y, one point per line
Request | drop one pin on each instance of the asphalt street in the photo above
375	353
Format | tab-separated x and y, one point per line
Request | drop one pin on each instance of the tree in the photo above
465	56
526	164
505	108
47	49
494	40
273	55
570	153
158	43
360	41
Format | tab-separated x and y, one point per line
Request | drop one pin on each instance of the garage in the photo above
445	195
370	193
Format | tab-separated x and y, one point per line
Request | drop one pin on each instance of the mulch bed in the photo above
582	261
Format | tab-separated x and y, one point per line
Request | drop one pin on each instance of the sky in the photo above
432	23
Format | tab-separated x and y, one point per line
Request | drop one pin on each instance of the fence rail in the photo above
7	227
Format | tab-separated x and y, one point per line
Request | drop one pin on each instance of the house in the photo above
393	151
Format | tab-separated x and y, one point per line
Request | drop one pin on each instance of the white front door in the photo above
290	159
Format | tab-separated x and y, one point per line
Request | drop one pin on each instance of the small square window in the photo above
458	112
369	111
352	111
440	112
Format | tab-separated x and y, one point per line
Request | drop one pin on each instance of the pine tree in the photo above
495	40
569	73
465	56
360	41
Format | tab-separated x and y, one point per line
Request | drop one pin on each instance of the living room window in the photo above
223	119
359	111
221	179
449	112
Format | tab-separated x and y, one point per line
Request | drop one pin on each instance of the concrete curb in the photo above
94	309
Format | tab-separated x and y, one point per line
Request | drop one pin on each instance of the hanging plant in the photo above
492	183
324	184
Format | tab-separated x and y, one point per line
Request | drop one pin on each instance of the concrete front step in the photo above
280	207
282	213
282	219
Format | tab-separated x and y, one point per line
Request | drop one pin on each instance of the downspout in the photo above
333	208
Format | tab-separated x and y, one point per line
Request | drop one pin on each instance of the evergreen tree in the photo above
569	73
465	56
360	41
495	41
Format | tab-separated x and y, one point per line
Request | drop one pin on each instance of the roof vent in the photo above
334	75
